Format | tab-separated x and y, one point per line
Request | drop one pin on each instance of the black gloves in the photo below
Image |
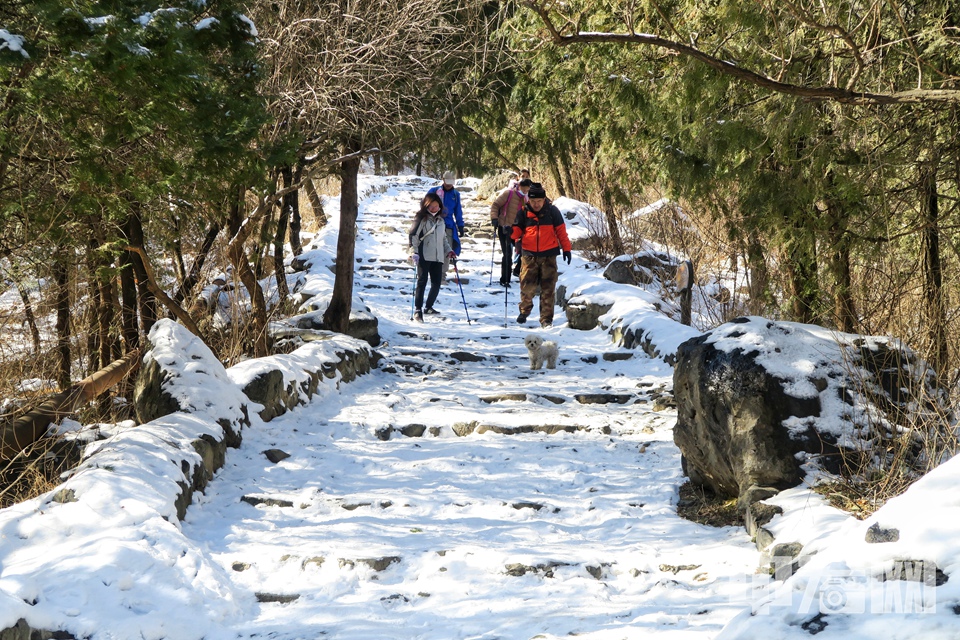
566	256
460	231
494	223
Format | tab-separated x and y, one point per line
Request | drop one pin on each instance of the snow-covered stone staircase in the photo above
455	493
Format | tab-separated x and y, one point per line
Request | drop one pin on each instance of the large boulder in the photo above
758	399
493	183
644	267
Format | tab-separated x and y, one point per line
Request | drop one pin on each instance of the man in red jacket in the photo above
540	233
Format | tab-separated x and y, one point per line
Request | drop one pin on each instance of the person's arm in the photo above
412	231
517	233
458	212
496	205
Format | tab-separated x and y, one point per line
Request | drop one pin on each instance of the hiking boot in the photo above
521	318
418	316
505	283
431	312
545	324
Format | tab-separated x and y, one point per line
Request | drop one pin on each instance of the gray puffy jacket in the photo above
428	238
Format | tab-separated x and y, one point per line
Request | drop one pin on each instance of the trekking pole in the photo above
493	251
462	297
413	298
505	290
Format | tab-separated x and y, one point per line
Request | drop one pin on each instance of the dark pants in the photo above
542	271
435	271
506	247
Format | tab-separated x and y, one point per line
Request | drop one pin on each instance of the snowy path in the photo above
453	493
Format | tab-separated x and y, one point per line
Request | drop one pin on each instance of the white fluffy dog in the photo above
541	352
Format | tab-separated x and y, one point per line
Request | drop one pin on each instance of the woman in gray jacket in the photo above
428	240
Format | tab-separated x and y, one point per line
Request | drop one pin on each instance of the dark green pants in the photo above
542	271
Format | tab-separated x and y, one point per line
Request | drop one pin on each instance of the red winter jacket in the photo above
543	233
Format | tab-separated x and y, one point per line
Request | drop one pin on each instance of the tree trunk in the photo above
555	172
287	205
147	300
102	304
179	268
316	203
759	275
568	174
610	213
89	322
61	277
193	277
933	302
243	270
235	210
337	315
28	314
175	309
261	344
104	321
29	428
844	309
128	305
296	248
262	247
801	266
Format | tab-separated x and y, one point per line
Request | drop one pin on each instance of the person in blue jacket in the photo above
452	215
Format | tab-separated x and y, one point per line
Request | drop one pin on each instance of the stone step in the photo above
544	570
521	397
464	429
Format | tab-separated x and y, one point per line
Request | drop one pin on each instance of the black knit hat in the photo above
536	191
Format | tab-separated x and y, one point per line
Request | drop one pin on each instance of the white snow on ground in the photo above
856	590
454	517
506	532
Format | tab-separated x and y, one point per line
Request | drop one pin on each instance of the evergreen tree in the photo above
120	110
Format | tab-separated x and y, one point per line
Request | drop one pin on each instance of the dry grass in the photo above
701	505
37	469
859	499
907	431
